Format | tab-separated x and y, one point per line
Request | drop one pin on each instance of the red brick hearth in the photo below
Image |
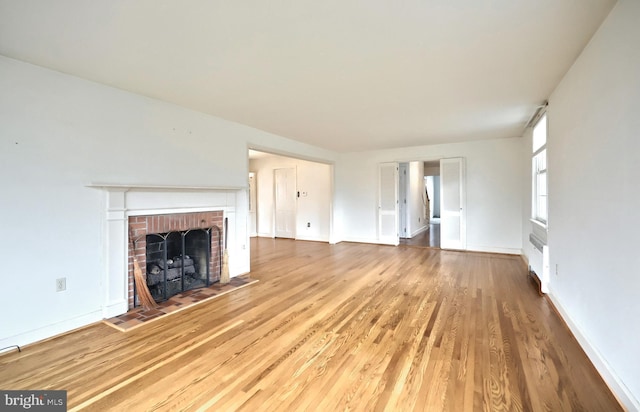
141	226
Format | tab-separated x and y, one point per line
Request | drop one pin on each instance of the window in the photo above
539	171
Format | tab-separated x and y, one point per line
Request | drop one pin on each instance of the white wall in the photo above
314	208
494	200
594	202
59	134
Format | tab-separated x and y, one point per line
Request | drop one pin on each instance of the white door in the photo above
453	226
402	198
285	202
253	198
388	203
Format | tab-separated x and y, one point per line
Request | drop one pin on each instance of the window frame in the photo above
537	172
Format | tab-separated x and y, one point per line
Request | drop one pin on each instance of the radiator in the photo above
540	266
536	242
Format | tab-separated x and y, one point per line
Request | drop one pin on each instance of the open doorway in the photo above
419	192
293	197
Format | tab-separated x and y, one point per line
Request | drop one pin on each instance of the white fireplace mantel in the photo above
122	201
143	187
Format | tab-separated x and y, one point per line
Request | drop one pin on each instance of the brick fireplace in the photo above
141	226
142	210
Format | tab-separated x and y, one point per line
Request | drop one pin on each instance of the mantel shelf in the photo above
140	187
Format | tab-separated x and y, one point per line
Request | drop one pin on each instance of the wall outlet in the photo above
557	270
61	284
308	224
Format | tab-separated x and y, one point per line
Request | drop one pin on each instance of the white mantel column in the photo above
115	285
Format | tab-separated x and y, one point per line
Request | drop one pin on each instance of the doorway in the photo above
422	195
437	186
293	197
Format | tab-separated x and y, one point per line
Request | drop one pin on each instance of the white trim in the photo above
539	223
313	238
126	187
620	391
492	249
369	240
52	330
115	308
161	211
420	230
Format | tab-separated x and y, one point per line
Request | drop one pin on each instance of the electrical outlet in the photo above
557	270
61	284
308	224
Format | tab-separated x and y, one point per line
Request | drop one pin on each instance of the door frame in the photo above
463	197
253	204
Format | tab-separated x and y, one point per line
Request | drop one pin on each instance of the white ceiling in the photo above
344	75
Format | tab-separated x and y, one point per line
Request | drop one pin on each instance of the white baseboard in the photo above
619	389
313	238
422	229
115	309
51	330
362	240
491	249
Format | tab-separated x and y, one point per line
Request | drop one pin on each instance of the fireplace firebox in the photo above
177	252
178	261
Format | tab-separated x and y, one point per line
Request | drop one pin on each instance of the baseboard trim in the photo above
533	276
422	229
313	239
361	240
115	308
53	330
618	388
491	249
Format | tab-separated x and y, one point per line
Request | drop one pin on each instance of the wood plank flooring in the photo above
428	238
334	327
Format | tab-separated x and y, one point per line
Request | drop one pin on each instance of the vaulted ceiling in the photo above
344	75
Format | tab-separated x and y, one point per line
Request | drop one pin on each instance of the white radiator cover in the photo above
539	261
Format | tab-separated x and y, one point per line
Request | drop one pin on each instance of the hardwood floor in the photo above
428	238
334	327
